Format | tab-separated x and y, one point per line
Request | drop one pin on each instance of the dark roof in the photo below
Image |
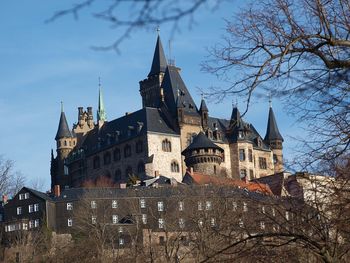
159	62
39	194
272	132
125	128
63	129
175	87
203	106
201	141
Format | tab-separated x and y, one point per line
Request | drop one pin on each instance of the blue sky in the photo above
42	64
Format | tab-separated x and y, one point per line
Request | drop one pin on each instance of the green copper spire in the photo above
101	113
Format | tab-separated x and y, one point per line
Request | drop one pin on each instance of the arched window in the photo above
127	151
116	155
140	167
107	158
139	147
128	171
166	145
174	167
65	143
118	175
96	162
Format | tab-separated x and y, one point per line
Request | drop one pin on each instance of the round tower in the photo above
203	155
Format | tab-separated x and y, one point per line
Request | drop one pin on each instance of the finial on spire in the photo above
99	82
234	103
158	30
202	95
270	100
62	110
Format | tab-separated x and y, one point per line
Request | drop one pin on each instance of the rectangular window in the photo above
208	205
161	240
144	219
93	220
31	224
26	196
241	155
36	223
142	203
234	206
263	209
160	206
21	196
245	207
120	229
36	207
200	206
114	204
161	223
93	204
262	225
240	222
25	226
69	222
250	155
69	206
287	215
262	163
273	212
200	222
30	208
243	173
181	223
181	206
115	219
251	174
19	210
121	241
212	222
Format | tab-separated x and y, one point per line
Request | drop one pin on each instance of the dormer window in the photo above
240	135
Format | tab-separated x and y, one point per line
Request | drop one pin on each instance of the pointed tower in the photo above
65	143
101	113
203	110
150	87
274	139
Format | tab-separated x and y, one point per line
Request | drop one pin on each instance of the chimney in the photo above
4	199
57	190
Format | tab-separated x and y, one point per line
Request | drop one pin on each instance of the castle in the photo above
166	137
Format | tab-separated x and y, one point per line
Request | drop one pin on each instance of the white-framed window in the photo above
144	219
240	222
200	222
114	204
262	225
161	223
69	206
115	219
36	207
181	205
21	196
70	222
287	215
26	196
273	212
36	223
181	223
30	208
263	209
142	203
31	224
93	204
93	219
25	226
208	205
212	222
245	207
121	241
200	205
120	229
19	210
160	206
234	206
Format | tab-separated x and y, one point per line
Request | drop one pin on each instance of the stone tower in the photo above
150	88
65	142
203	110
203	155
274	139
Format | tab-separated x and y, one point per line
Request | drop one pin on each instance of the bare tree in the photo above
130	16
10	181
296	50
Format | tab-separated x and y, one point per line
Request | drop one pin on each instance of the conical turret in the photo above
203	110
159	62
101	113
272	132
63	129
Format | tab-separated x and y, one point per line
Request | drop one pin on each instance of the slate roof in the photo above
174	86
201	141
125	128
159	62
63	129
203	106
39	194
272	132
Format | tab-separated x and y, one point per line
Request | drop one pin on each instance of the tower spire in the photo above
272	132
159	62
63	129
101	113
